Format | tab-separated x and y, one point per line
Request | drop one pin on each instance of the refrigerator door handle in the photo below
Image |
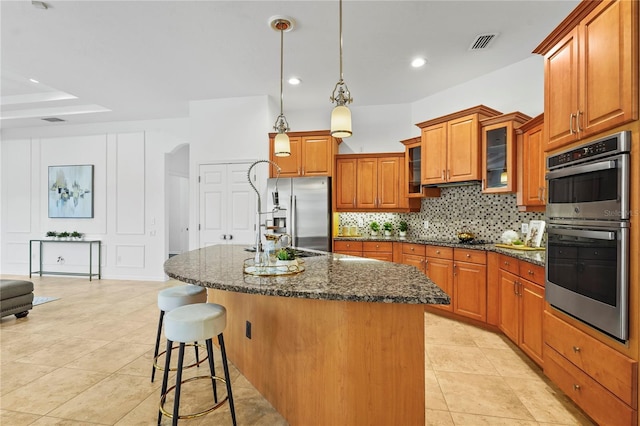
293	221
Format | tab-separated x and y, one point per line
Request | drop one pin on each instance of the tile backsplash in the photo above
460	208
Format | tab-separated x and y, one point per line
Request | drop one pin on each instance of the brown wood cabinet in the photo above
591	71
601	380
381	250
532	187
413	170
312	154
462	274
414	254
521	305
439	268
451	146
499	152
372	182
470	283
353	248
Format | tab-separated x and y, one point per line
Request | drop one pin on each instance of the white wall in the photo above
519	87
129	176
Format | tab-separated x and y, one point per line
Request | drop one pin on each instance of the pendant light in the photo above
341	116
281	144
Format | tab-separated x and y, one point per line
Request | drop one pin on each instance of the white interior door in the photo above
227	205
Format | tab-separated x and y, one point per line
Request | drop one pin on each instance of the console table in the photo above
90	243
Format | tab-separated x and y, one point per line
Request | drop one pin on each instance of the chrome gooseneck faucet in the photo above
259	213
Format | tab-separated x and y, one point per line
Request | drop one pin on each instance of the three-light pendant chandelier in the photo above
341	96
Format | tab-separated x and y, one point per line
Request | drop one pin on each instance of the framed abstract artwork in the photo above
70	191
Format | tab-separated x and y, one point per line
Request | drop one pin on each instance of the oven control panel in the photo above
614	144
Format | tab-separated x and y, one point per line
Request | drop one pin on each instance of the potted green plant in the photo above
76	235
403	227
388	228
375	228
52	234
287	257
64	235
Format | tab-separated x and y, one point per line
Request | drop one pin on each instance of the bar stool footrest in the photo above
163	398
195	364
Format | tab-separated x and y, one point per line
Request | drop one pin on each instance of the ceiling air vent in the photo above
482	41
53	119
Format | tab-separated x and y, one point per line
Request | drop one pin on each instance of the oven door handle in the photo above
578	170
599	235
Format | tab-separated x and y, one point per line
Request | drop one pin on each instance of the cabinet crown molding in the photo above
567	25
535	121
516	116
480	110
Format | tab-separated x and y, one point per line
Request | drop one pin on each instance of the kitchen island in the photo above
340	343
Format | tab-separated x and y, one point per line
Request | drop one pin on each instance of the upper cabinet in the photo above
372	182
312	154
451	146
531	165
591	71
413	170
499	152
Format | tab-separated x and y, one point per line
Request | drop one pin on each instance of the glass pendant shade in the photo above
341	122
281	145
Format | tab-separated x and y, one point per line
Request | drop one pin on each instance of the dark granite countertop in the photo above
328	276
535	257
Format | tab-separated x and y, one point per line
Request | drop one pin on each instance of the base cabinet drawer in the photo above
613	370
347	246
600	404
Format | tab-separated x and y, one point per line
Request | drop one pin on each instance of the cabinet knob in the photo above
437	251
506	263
576	349
530	272
377	246
348	245
576	387
468	255
412	249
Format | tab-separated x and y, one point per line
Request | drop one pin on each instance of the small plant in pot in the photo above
286	257
403	227
64	235
52	234
375	228
388	228
76	235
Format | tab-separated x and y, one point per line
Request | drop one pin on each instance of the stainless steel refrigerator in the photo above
301	207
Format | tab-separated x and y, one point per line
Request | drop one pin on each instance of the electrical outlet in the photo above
425	224
524	228
360	222
247	330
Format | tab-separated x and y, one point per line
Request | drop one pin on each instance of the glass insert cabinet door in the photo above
496	155
413	155
499	152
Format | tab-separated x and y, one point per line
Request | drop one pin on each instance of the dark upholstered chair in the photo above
16	298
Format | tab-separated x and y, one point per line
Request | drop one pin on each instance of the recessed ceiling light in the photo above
33	80
418	62
294	81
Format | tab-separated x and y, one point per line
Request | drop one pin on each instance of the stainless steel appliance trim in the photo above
624	145
600	235
618	209
581	169
613	320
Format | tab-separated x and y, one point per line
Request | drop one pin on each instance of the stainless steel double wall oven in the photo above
588	213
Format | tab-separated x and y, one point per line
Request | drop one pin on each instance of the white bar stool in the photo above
169	299
190	323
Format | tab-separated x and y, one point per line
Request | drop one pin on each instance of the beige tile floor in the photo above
86	359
